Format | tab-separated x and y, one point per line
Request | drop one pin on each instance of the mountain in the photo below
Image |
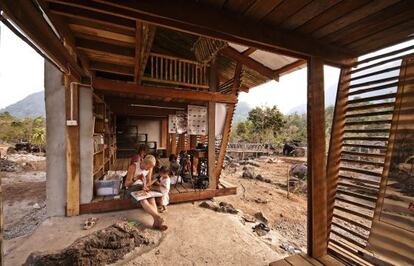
242	112
30	107
330	98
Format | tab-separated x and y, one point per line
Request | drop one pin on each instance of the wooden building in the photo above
110	61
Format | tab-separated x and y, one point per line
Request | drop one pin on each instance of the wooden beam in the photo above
27	18
290	67
336	141
112	68
131	88
72	150
138	47
66	35
317	191
249	62
249	51
188	17
131	110
71	10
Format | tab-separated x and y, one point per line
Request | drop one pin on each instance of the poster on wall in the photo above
197	120
172	124
181	123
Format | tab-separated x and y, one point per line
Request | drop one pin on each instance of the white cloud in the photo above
21	68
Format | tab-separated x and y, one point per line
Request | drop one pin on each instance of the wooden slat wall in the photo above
360	134
390	237
335	146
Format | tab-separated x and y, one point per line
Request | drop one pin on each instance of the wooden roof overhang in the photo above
101	36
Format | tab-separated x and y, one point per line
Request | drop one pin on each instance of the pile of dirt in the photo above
103	247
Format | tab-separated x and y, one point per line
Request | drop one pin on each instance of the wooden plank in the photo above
285	10
351	17
336	141
330	15
141	90
107	57
308	12
317	186
220	25
104	34
27	19
281	262
104	47
72	151
298	260
73	10
249	62
126	204
138	49
289	68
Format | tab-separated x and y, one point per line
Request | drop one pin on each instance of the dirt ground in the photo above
287	216
192	238
24	194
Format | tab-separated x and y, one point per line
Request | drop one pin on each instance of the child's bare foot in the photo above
163	209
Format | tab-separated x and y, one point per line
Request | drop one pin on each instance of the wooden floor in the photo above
305	260
178	193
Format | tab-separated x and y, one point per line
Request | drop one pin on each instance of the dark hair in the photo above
164	170
172	158
142	147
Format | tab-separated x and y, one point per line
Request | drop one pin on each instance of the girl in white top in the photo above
165	184
142	172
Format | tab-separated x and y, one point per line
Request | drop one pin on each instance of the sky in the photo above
289	92
21	68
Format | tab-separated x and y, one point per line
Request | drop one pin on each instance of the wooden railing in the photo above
172	70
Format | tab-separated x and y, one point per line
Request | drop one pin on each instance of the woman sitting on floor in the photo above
142	151
139	178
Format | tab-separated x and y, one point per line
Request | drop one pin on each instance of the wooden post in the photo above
193	142
228	121
72	150
164	133
173	143
212	128
317	194
336	141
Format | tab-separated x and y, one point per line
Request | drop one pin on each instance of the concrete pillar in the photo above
55	136
86	144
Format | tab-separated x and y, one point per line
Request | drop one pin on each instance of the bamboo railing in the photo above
176	71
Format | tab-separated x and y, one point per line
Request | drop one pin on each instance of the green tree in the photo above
266	122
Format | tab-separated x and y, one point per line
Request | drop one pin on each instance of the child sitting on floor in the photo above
164	187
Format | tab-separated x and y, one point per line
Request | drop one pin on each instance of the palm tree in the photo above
39	137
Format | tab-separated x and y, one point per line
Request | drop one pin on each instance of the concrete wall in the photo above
150	127
86	144
55	132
